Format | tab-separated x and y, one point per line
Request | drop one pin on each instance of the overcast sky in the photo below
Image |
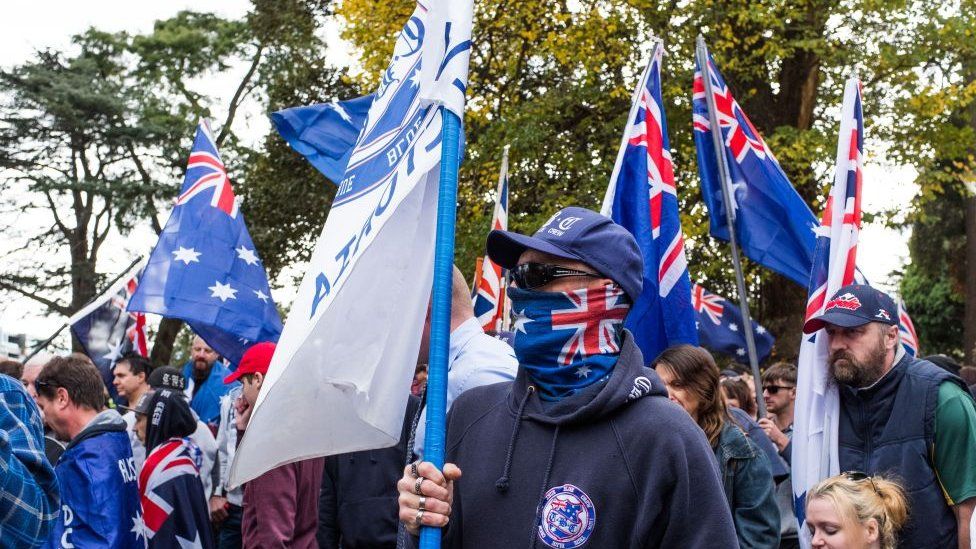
28	26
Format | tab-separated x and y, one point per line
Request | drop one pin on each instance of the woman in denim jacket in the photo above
692	380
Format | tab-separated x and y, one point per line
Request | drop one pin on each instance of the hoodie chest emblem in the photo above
566	517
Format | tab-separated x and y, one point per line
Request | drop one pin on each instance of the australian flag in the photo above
174	508
489	298
774	226
642	198
325	134
106	330
204	269
721	327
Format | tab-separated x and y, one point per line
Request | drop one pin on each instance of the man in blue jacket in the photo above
584	447
205	382
96	473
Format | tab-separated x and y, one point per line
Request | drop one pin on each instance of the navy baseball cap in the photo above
580	234
855	305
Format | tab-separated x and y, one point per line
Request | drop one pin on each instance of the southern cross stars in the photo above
186	255
247	255
261	295
222	291
583	371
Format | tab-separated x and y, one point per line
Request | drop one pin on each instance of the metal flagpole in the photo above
440	318
701	51
42	345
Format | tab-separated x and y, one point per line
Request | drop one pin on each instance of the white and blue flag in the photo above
341	374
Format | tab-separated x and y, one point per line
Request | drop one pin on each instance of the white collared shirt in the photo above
474	359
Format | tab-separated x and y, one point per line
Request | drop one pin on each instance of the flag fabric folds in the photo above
642	198
347	347
326	133
774	226
906	329
817	403
204	269
106	330
489	298
721	326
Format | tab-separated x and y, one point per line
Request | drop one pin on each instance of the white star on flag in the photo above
139	527
247	255
583	371
734	327
520	321
415	78
187	544
223	291
740	351
261	295
760	330
114	352
341	111
186	255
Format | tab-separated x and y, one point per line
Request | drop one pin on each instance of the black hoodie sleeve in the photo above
698	514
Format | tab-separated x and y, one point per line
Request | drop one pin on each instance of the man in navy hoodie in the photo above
584	447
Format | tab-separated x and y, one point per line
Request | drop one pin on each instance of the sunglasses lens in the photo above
771	389
530	275
856	476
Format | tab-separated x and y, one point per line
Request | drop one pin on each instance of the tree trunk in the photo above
162	350
783	306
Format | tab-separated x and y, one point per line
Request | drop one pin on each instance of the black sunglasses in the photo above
533	275
858	476
773	389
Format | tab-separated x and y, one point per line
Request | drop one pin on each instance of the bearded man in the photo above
901	417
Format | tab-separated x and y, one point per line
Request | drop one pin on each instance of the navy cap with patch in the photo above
855	305
580	234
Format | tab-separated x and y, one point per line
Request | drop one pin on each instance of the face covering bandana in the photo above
568	340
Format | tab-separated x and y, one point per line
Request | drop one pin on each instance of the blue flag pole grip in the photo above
440	318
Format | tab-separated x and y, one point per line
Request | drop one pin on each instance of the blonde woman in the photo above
855	511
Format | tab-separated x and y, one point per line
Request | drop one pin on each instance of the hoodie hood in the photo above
629	381
108	421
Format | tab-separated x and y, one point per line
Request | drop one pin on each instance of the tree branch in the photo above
146	179
235	101
57	220
50	304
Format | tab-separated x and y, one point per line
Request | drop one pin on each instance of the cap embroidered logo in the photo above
847	301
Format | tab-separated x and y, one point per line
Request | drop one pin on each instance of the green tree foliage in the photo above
553	80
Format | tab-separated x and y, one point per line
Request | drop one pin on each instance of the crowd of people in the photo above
550	442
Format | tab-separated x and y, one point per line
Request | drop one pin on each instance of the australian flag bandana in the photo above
568	340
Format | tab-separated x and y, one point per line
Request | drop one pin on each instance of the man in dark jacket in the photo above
96	473
901	416
584	446
358	501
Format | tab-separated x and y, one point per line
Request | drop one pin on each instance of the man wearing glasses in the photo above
584	446
96	473
779	393
901	416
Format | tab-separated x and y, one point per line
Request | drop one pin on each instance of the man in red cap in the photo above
280	506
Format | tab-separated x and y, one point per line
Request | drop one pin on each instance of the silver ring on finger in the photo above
419	517
423	504
416	486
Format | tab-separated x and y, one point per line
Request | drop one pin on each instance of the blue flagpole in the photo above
440	318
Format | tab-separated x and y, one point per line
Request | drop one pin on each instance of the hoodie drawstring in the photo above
501	485
545	484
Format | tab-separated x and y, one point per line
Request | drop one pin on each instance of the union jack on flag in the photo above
906	328
106	331
642	198
205	173
707	303
815	454
489	298
173	505
773	224
595	315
